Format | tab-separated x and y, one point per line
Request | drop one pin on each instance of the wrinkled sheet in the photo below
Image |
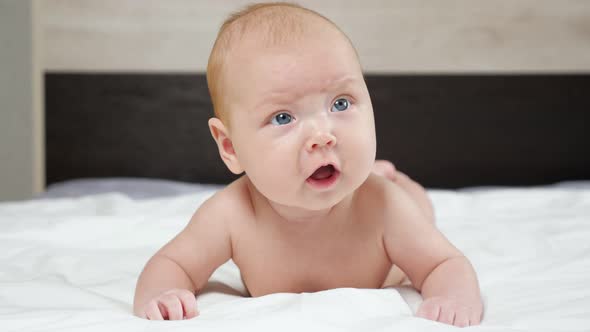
71	264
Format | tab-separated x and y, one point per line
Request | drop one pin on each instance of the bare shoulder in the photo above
228	204
383	194
394	209
233	196
411	240
207	241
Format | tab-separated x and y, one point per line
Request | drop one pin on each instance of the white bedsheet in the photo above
72	264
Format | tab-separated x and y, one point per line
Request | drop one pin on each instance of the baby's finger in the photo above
173	307
475	317
461	318
429	310
152	311
447	315
189	303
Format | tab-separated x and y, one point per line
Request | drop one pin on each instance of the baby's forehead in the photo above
278	27
260	28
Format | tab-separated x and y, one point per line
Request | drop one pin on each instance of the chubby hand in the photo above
451	311
174	304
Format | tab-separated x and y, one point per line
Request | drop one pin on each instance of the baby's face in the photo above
298	107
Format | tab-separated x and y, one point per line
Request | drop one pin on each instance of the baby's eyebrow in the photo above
281	96
340	83
285	96
262	111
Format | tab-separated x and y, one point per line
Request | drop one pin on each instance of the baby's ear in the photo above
225	145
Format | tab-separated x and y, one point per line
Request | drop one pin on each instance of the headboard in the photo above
445	131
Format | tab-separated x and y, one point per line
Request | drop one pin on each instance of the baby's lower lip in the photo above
324	184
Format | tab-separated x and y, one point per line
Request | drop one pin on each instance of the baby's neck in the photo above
296	217
300	215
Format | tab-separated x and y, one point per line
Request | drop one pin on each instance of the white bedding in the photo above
70	264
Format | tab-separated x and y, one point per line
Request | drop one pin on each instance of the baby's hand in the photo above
174	304
451	311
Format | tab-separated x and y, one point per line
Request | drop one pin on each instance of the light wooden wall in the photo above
390	35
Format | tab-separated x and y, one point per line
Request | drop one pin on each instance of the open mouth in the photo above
323	177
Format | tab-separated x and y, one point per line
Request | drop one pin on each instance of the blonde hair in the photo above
280	21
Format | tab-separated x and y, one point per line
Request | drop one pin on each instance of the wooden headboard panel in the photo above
445	131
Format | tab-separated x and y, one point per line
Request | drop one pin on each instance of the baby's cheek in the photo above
360	153
361	143
273	174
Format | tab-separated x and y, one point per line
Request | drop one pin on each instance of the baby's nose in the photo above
320	140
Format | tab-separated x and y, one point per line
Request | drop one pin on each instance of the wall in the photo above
21	119
390	35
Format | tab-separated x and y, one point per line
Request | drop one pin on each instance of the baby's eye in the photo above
341	104
281	119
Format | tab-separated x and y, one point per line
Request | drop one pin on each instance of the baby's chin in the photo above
310	207
322	201
345	189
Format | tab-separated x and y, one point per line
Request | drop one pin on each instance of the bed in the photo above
504	159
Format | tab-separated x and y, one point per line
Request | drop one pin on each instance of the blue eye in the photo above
281	119
341	104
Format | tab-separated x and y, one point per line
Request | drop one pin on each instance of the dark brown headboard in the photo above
445	131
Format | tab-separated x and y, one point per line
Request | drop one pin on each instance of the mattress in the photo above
70	258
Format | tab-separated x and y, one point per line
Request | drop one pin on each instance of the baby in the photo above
313	211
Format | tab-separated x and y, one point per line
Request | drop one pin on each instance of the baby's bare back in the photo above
345	250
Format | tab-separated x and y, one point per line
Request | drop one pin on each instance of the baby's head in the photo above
289	97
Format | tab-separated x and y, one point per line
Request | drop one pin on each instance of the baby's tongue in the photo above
322	173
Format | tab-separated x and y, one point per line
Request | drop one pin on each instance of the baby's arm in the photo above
440	271
166	288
